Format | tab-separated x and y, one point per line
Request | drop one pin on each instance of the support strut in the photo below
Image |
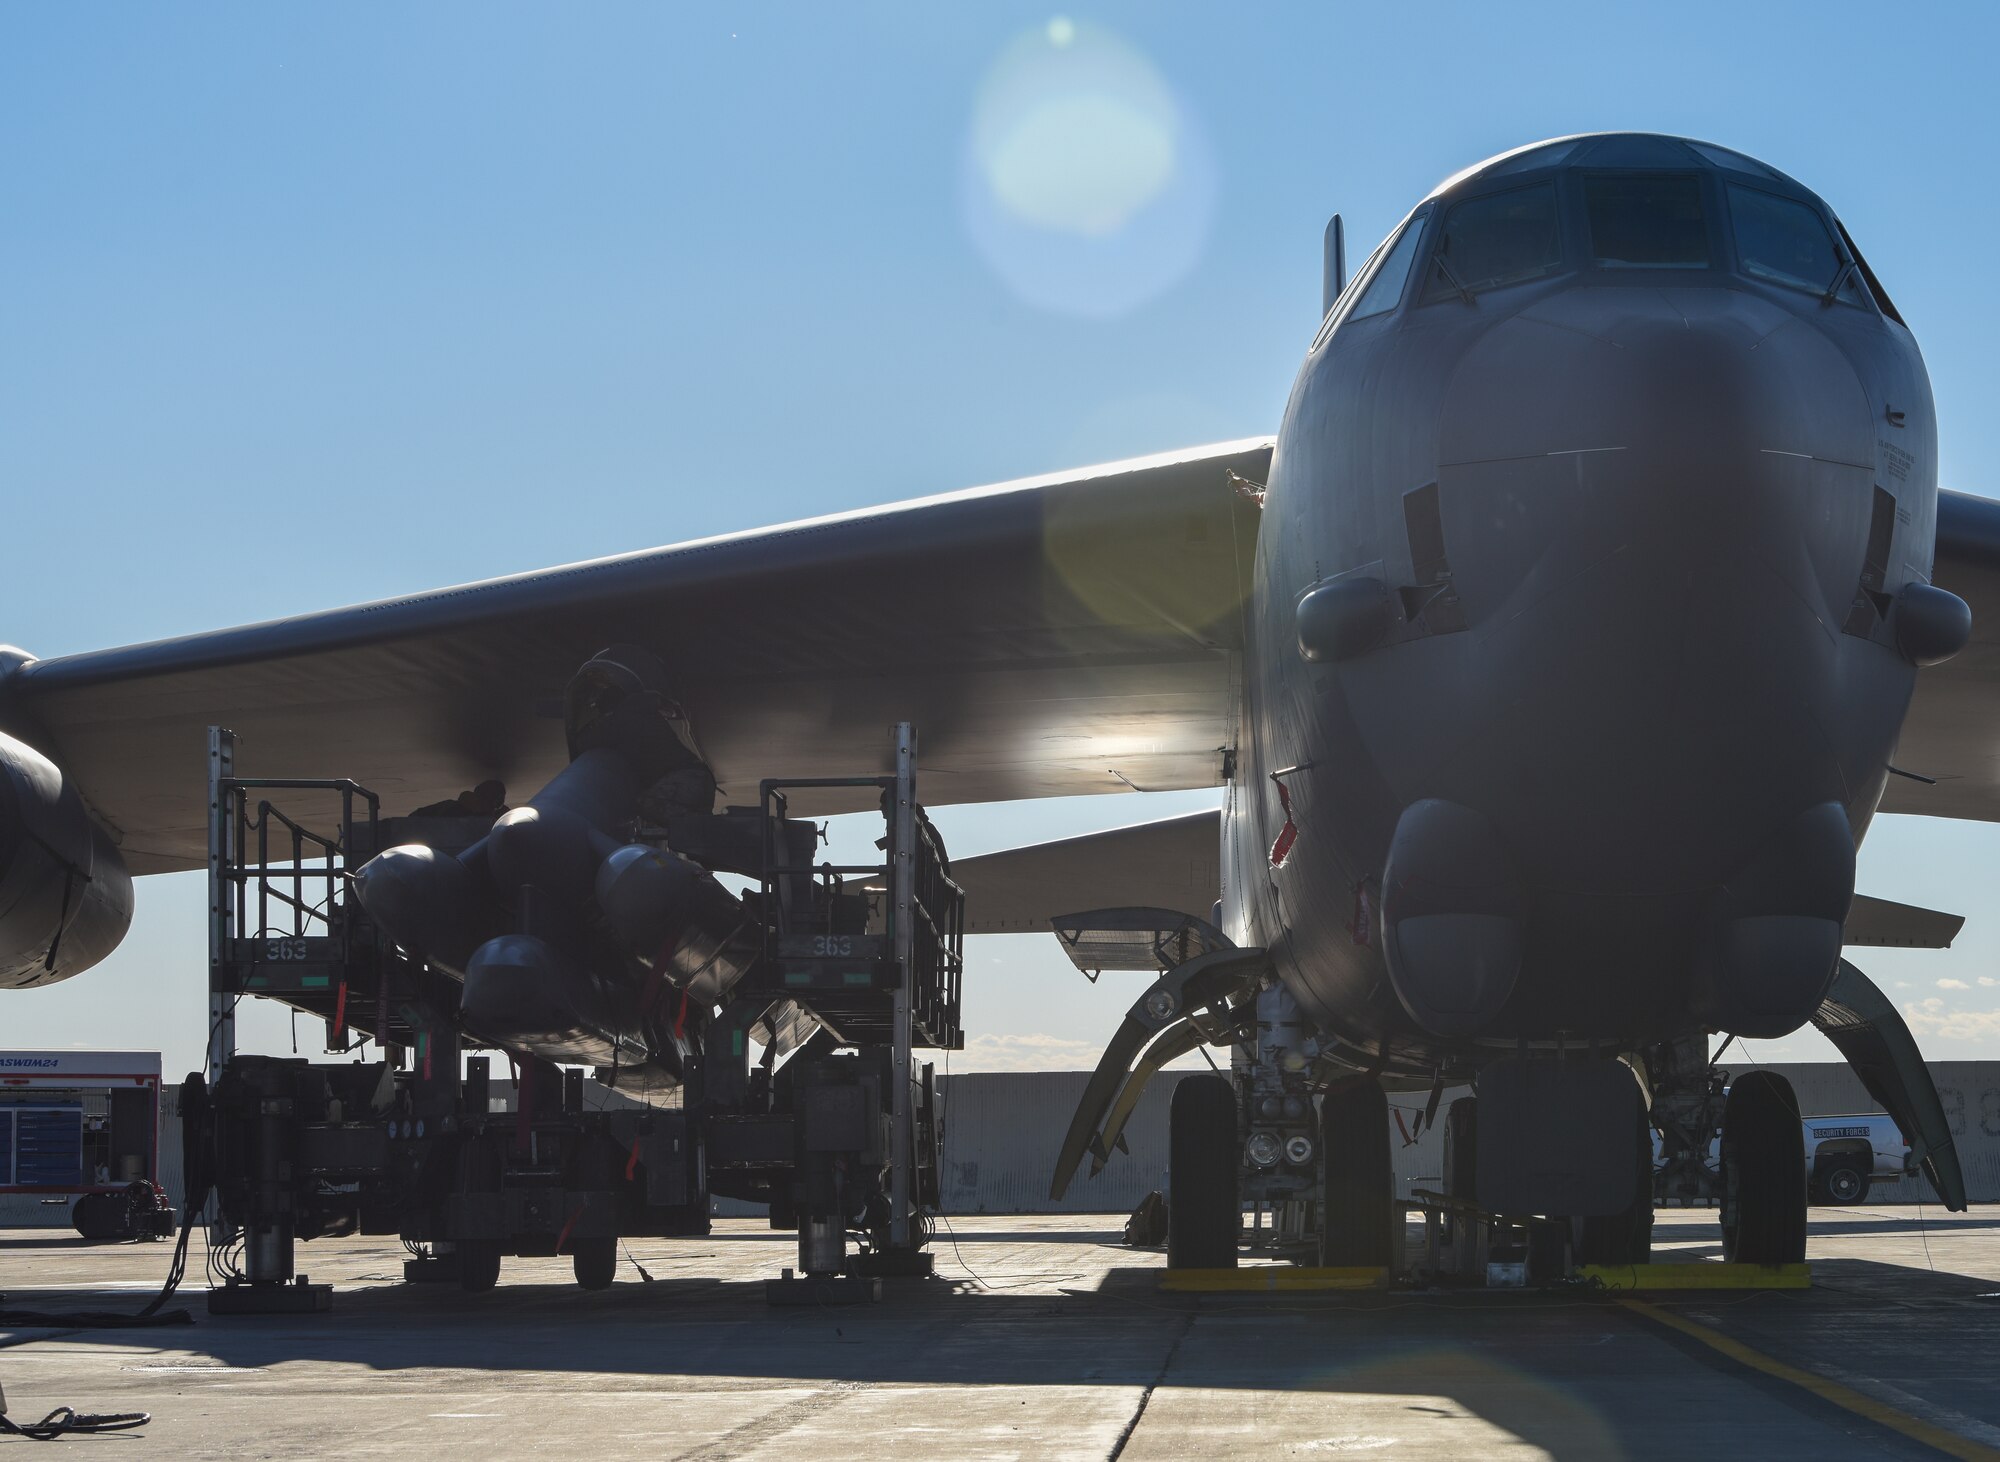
1208	980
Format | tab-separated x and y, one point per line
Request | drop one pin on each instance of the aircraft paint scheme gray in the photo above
1606	728
1554	657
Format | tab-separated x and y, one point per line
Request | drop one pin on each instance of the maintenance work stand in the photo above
795	1080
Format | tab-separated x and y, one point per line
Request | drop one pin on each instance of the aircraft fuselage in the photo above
1612	684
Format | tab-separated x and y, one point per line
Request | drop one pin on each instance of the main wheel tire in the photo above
595	1262
478	1265
1763	1172
1204	1213
1461	1150
1840	1181
1625	1237
1356	1220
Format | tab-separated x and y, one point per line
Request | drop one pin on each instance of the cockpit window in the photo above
1502	238
1530	158
1723	157
1385	290
1783	240
1882	301
1646	221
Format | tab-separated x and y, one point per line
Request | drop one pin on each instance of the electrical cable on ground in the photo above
193	1200
67	1421
944	1146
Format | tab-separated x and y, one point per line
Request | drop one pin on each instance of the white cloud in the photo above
1043	1053
1953	985
1988	980
1025	1053
1930	1018
1040	1051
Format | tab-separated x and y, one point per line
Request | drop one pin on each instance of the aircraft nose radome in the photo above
1698	372
1694	423
1654	505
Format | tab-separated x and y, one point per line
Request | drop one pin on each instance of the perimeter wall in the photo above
1003	1131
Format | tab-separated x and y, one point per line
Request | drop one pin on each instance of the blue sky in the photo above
302	306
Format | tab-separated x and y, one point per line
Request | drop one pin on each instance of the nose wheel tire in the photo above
1763	1172
1204	1213
1356	1217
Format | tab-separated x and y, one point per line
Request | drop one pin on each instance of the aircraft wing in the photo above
1953	729
1174	863
1884	924
1062	635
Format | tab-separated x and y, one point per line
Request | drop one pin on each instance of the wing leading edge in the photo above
1057	636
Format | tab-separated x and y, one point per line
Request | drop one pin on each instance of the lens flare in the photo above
1087	184
1455	1400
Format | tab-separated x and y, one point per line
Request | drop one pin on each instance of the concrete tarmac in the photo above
1041	1337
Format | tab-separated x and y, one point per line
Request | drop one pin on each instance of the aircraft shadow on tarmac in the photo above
1549	1367
915	1334
1942	1224
52	1241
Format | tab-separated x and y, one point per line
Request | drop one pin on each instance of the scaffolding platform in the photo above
837	1127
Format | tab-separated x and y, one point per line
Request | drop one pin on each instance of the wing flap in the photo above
1173	863
1886	924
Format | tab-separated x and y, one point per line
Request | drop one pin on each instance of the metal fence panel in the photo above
1003	1130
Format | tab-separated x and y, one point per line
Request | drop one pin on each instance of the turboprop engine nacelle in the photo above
65	894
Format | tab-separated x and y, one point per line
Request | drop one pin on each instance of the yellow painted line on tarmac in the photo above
1704	1274
1269	1278
1948	1442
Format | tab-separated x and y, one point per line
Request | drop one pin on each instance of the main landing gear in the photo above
1353	1196
1763	1172
1357	1218
1621	1238
1256	1137
1204	1209
1346	1182
1624	1237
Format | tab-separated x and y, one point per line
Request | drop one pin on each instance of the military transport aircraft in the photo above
1593	597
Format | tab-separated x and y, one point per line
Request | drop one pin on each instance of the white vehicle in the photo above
1845	1155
